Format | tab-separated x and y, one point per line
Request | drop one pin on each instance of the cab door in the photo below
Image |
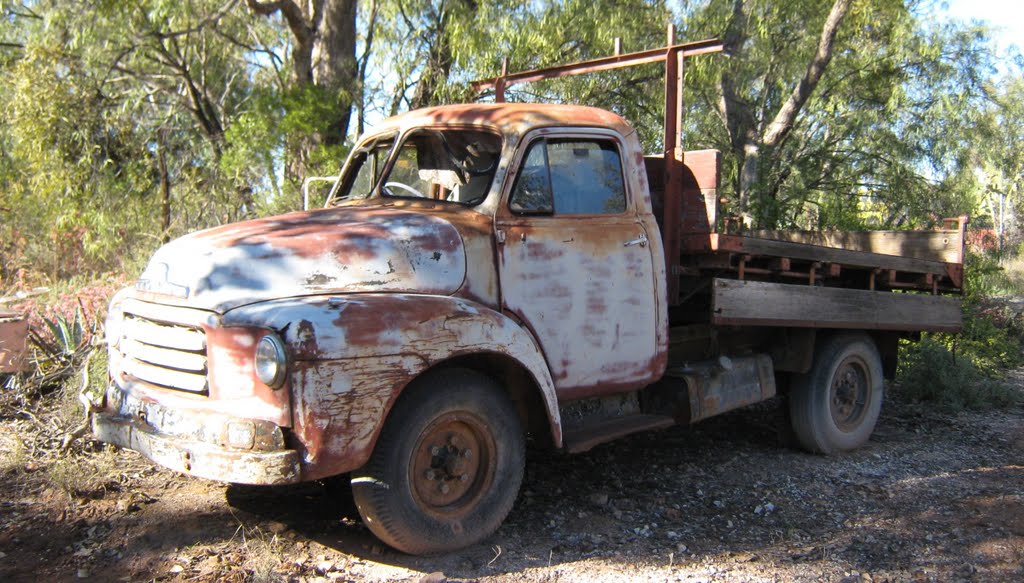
576	265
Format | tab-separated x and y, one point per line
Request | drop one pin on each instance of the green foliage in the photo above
113	122
931	373
68	336
125	124
965	370
887	130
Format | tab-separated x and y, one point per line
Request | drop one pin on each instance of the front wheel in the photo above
835	405
447	466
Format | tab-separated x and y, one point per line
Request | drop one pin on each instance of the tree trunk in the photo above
165	188
749	143
324	32
333	60
439	56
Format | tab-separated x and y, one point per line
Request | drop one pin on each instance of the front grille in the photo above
165	353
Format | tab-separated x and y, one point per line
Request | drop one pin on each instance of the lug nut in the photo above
467	453
434	450
464	478
444	488
431	475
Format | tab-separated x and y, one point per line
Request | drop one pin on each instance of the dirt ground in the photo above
933	497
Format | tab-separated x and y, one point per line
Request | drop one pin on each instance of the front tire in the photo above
835	405
447	466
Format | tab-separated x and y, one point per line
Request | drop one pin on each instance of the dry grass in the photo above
45	444
14	454
1013	269
84	474
261	555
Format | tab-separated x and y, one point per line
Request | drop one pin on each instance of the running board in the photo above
585	438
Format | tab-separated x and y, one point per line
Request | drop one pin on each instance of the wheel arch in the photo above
353	357
538	412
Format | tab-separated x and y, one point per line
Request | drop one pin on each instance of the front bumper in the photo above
204	460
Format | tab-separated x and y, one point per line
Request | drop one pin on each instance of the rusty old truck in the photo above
485	274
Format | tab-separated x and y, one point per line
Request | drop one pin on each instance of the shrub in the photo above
965	370
931	373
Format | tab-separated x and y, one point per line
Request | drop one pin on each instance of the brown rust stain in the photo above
384	342
512	119
232	376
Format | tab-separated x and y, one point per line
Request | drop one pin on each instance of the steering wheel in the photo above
400	186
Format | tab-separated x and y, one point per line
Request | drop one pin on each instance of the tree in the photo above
826	108
998	161
114	122
324	68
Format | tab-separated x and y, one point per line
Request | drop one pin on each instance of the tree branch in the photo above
783	122
292	12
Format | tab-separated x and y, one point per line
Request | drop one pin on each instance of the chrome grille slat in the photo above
166	354
166	377
176	337
176	359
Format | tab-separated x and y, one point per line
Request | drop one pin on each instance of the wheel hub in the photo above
849	394
451	467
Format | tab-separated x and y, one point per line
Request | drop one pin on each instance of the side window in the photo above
532	192
570	176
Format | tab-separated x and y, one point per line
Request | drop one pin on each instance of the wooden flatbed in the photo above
882	280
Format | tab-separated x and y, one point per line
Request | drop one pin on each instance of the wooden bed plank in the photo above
944	246
802	251
776	304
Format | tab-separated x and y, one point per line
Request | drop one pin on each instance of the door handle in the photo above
641	241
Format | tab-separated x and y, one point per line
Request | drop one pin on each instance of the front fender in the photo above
351	356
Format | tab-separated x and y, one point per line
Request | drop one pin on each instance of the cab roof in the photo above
508	118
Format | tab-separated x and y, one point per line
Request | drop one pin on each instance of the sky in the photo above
1006	15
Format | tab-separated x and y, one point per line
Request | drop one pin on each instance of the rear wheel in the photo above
447	466
835	405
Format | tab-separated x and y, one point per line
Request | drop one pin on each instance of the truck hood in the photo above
341	250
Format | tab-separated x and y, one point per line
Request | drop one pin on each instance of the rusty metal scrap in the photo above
13	342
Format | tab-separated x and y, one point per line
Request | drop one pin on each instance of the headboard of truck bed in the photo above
700	189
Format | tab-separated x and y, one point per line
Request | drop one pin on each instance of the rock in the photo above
177	569
599	499
435	577
324	566
277	527
82	574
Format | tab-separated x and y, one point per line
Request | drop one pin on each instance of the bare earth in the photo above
933	497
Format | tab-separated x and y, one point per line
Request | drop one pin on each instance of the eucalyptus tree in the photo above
324	70
826	108
114	122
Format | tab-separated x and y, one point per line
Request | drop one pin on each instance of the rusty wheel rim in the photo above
849	394
452	464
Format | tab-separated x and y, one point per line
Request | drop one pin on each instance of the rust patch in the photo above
233	384
13	335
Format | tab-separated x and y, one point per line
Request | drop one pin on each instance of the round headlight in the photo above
112	325
271	362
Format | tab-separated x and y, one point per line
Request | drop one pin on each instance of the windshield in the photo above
454	165
363	171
